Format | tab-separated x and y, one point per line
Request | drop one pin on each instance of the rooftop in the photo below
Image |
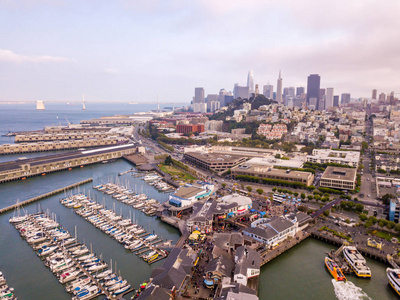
348	174
215	157
187	191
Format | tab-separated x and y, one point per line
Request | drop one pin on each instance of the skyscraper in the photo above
199	104
279	89
299	91
250	82
345	98
329	98
198	95
313	87
374	94
336	101
268	91
240	91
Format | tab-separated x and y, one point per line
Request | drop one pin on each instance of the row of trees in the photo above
371	221
271	181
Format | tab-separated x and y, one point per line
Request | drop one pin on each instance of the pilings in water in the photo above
11	207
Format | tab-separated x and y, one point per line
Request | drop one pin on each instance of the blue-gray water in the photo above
298	274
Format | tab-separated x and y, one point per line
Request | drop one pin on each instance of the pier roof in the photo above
34	161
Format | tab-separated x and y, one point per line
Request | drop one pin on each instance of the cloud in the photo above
12	57
111	71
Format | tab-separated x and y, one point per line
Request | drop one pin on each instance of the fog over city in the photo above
133	50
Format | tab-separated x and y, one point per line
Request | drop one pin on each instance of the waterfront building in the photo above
28	167
168	279
321	156
279	89
190	193
248	264
339	178
313	90
60	145
271	231
206	214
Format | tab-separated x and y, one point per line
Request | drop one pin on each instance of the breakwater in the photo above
14	206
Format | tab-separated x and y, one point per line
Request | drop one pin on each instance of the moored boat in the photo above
356	261
394	279
334	269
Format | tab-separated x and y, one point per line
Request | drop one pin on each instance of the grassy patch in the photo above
175	172
385	235
337	233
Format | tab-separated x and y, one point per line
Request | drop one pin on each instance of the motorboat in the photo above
334	269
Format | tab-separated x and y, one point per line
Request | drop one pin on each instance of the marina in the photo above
66	258
6	292
130	235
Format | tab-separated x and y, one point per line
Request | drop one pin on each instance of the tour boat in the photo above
356	261
394	279
334	269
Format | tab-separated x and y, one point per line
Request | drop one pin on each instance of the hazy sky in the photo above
133	50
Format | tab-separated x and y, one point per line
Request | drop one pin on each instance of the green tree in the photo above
309	197
303	196
295	194
223	185
260	191
168	160
279	190
274	189
249	188
347	221
359	207
363	217
380	223
326	213
386	198
397	227
373	219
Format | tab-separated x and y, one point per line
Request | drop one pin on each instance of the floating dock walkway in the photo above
14	206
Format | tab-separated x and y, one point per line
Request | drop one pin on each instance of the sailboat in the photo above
83	102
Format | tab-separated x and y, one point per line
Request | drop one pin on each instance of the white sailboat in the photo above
83	102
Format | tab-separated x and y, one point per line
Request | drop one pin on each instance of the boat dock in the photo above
122	230
17	205
74	266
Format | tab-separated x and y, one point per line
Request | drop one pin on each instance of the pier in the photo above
14	206
269	255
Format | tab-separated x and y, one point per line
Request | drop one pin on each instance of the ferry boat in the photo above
356	261
334	269
394	279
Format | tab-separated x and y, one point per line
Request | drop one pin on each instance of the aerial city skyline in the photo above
313	96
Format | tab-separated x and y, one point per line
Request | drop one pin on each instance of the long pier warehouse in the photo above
23	168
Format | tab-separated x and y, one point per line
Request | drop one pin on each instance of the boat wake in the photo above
348	291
